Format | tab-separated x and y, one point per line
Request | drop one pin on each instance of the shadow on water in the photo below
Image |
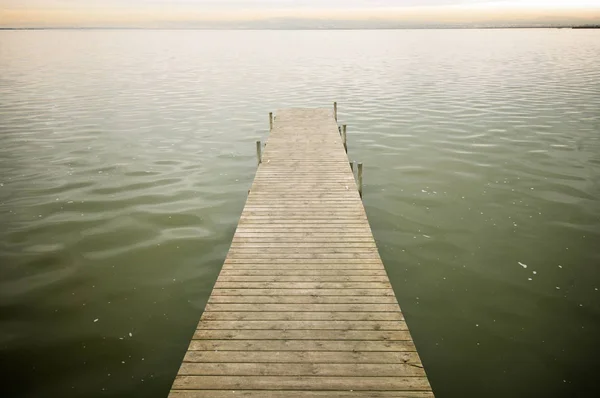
56	369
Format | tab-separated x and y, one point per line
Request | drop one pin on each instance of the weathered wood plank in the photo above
370	308
301	383
315	249
297	394
301	316
279	255
303	357
301	345
302	292
324	261
301	285
295	244
299	369
302	335
323	325
301	272
247	299
300	278
309	266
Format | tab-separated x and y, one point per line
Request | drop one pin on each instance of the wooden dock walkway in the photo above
303	306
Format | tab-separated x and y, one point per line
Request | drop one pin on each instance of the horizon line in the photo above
91	27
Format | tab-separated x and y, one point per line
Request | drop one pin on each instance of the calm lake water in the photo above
126	157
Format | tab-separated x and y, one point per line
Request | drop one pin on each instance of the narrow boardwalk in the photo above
303	306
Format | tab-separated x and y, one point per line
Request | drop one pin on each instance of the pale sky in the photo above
156	13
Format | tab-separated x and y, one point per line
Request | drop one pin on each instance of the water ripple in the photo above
126	156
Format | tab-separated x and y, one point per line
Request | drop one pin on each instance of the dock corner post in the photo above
258	152
335	110
270	121
344	137
360	179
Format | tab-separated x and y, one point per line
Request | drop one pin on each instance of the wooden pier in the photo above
303	306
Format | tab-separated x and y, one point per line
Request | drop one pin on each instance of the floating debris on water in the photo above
522	265
95	320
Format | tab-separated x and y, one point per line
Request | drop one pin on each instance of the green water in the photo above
126	156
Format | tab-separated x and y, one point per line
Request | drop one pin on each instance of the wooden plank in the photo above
301	316
323	261
308	266
301	345
247	299
302	292
269	334
294	243
301	383
303	357
300	278
278	255
306	251
297	394
299	369
300	325
308	227
301	272
303	306
371	308
302	285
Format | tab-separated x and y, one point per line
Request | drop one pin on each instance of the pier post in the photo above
270	121
335	110
360	179
258	152
344	137
352	167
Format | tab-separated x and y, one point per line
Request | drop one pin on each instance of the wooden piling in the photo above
335	111
270	121
258	152
344	138
360	179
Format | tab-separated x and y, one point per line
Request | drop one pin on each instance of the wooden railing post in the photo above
258	152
